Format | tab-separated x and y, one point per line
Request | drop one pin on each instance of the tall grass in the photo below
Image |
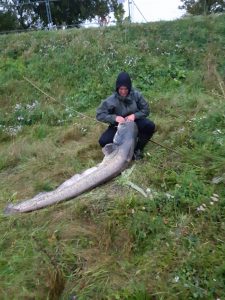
155	232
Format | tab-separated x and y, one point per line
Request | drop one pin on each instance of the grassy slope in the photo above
113	243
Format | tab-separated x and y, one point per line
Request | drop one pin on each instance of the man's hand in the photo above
120	119
130	118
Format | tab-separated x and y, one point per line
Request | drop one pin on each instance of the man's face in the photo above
123	91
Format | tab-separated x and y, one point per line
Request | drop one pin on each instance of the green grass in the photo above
156	231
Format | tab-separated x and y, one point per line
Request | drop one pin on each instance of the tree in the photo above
28	15
70	12
8	16
200	7
32	13
8	21
117	8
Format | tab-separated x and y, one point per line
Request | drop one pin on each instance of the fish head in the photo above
126	131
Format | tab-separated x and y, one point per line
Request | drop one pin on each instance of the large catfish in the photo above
117	156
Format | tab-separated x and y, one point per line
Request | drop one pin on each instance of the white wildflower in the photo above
176	279
181	129
215	195
220	142
215	199
168	195
166	53
200	208
149	193
178	186
130	61
212	203
32	106
18	106
217	180
217	131
132	211
12	131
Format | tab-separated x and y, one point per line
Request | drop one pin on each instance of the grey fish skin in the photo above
117	157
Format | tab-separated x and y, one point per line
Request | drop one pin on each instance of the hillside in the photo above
113	242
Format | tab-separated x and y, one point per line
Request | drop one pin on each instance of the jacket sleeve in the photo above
105	113
142	105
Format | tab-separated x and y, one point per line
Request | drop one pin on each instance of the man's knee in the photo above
150	127
102	142
107	137
146	127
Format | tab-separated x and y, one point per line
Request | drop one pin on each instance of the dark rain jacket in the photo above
116	105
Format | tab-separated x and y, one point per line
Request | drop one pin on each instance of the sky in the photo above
153	10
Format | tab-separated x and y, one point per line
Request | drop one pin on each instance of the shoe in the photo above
138	155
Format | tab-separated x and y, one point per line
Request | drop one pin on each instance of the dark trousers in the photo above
146	128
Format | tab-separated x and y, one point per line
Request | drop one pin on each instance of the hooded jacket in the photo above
116	105
123	79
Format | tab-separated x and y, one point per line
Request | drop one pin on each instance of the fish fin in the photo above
130	154
109	148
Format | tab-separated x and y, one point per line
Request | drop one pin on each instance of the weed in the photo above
157	231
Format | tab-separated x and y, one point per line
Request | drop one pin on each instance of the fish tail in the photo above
10	210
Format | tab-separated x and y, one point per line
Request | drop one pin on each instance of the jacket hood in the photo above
123	79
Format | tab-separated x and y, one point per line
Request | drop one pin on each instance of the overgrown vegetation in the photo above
156	231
